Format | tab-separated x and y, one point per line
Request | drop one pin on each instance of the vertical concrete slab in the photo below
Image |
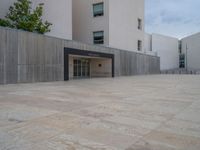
22	74
1	74
11	56
137	64
117	62
22	57
122	66
2	55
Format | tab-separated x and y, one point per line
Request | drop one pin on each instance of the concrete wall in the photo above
84	24
167	49
71	67
105	70
28	57
58	13
123	24
192	43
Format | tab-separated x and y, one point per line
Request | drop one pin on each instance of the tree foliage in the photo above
22	16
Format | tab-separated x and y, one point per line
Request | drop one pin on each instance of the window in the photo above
139	45
98	37
139	24
98	9
182	61
180	47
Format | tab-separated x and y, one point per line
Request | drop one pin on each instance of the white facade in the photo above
191	48
147	42
119	22
123	24
84	24
148	45
58	13
166	48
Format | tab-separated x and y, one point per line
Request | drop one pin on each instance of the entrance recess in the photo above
85	64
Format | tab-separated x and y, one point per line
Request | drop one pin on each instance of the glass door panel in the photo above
81	68
75	68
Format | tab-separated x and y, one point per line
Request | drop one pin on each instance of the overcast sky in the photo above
177	18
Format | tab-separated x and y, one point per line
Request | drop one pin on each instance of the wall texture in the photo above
192	43
28	57
60	16
104	71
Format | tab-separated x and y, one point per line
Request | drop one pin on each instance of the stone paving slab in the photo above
157	112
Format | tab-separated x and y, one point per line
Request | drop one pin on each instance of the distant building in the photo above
174	53
167	49
190	52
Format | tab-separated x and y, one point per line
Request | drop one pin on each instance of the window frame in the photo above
100	14
139	20
99	36
139	45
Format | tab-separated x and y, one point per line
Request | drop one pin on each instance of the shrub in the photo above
22	16
4	23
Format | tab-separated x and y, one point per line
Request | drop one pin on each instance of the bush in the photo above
4	23
21	16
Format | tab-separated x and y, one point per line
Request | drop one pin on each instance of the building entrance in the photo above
81	68
80	64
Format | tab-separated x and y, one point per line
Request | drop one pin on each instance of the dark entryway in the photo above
82	63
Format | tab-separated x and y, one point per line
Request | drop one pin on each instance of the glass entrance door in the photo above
81	68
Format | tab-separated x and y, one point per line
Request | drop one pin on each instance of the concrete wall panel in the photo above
29	57
11	56
1	74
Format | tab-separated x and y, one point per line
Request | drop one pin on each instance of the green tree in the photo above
22	16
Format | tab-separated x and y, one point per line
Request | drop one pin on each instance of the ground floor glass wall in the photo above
81	68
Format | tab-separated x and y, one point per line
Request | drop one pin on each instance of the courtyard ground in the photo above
158	112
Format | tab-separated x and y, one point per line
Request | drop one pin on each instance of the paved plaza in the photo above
156	112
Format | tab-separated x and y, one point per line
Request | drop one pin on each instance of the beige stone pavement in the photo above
158	112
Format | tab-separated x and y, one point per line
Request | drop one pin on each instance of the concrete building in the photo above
112	23
148	43
166	48
114	28
175	55
60	16
190	52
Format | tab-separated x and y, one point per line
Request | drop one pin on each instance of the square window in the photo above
139	44
98	9
139	24
98	37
